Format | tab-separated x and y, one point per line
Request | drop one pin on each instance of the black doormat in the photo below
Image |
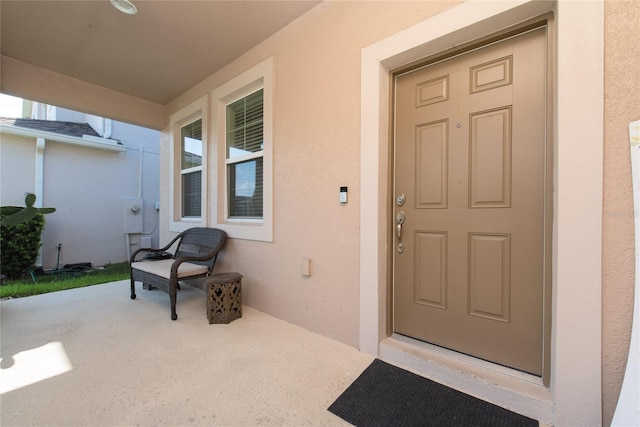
384	395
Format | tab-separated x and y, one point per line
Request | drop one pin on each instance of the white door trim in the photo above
575	387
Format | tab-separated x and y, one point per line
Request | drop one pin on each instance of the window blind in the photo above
191	165
245	125
191	189
245	137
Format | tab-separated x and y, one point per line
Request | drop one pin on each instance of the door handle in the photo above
400	217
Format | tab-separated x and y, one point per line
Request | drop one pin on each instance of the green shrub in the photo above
19	246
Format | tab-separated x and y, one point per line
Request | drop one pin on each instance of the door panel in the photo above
432	143
490	276
490	163
470	157
431	269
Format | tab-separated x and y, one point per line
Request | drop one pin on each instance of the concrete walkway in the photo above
94	357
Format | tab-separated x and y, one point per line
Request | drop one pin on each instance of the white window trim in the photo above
190	113
260	76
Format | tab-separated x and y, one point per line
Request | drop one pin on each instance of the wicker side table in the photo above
224	297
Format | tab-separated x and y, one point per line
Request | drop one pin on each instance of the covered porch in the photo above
92	356
330	78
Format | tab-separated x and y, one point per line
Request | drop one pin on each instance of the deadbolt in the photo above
400	199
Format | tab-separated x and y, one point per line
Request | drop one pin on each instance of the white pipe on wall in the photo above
39	178
106	128
39	183
140	172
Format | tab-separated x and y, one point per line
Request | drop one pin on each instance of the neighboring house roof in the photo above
68	132
65	128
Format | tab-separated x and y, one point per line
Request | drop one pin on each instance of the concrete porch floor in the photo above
93	357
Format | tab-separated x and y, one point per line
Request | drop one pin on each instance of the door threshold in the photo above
508	388
467	359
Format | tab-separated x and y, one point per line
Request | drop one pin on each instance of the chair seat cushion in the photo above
162	268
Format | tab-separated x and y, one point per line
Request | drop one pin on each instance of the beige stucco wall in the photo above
316	151
316	136
622	105
38	84
316	140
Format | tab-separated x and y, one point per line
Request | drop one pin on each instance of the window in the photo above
245	144
242	117
188	178
191	169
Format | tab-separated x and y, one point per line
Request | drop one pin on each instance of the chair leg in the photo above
133	288
173	293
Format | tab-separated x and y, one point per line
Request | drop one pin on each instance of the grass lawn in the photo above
58	281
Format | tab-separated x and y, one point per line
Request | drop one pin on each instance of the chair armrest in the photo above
180	260
133	257
146	250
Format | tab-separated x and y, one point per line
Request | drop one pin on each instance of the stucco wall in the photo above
88	188
316	151
31	82
77	184
622	105
17	168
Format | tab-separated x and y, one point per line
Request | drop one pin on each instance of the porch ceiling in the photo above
155	55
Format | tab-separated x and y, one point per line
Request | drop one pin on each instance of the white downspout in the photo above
128	235
38	111
39	183
140	172
106	128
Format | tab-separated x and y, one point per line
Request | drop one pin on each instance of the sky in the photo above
10	106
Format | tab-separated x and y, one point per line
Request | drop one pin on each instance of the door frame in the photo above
574	392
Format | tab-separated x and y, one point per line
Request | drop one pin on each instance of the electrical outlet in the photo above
306	267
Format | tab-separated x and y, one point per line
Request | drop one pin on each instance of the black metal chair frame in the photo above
199	245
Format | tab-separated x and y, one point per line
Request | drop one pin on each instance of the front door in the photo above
470	200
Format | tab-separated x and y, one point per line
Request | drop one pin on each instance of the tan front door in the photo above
470	200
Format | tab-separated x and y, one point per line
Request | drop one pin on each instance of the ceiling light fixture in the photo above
124	6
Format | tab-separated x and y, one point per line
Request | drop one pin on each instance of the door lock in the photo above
400	199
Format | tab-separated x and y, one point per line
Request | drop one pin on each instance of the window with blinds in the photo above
191	169
244	156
